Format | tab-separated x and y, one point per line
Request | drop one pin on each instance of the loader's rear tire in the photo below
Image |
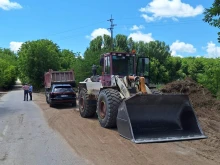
85	108
107	107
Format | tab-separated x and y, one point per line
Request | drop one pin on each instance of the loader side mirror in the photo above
143	68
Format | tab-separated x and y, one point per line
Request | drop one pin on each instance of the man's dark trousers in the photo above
25	94
30	94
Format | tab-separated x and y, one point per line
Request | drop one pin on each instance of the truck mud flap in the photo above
158	118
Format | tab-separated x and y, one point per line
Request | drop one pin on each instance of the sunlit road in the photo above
25	137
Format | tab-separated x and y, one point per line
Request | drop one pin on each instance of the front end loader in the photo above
122	98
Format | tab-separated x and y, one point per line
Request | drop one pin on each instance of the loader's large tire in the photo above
85	108
107	107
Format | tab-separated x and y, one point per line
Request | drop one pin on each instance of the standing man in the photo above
25	88
30	91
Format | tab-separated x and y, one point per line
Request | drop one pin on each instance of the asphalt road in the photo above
25	137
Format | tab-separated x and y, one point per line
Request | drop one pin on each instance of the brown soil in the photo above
105	146
207	108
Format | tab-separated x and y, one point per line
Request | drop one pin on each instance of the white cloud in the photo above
135	27
181	47
147	18
98	32
15	46
169	9
139	36
7	5
175	19
212	50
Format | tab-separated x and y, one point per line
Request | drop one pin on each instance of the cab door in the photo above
106	77
143	68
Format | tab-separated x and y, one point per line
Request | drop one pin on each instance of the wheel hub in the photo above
102	109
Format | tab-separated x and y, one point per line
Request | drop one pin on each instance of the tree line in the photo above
36	57
8	68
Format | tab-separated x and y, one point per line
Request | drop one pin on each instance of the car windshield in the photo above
63	89
123	65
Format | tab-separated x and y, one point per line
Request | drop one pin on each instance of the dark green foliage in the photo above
67	58
37	57
212	15
8	68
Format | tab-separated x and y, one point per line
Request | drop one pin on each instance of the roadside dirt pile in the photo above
202	100
207	109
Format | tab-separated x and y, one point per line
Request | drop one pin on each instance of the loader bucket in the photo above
158	118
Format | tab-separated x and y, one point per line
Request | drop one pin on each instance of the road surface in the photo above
25	137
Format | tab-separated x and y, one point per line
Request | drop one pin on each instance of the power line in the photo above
75	29
148	25
111	28
112	25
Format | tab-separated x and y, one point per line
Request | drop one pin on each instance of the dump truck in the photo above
122	98
59	77
59	87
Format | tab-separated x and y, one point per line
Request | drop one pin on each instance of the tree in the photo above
37	57
158	50
212	16
173	66
210	78
8	74
96	44
107	42
67	58
121	43
8	68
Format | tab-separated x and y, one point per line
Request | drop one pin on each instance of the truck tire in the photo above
86	110
107	107
47	100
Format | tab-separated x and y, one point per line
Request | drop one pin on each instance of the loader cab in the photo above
116	63
123	64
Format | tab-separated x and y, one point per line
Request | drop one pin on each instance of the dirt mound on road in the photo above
202	100
207	109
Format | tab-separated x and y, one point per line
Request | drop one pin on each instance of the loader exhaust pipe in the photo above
145	118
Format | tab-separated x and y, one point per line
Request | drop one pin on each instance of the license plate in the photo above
64	95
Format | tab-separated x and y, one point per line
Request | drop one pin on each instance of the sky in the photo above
73	24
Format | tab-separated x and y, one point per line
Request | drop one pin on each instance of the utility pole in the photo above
111	28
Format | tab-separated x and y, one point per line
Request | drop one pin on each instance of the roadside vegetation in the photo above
8	68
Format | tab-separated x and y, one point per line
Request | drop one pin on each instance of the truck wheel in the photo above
86	110
51	105
107	108
47	100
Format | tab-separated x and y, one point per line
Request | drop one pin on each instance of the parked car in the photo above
61	94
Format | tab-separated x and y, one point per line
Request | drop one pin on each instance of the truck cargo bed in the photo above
59	77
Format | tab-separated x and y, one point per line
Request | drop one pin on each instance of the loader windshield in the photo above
123	65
